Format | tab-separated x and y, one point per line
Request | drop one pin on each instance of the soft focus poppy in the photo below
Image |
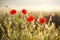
42	20
13	11
30	18
24	11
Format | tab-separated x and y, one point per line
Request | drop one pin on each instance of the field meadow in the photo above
28	25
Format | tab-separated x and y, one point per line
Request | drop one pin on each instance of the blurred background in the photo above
46	5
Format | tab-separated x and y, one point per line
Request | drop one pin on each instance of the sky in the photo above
31	4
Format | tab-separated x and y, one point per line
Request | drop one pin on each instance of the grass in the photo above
15	27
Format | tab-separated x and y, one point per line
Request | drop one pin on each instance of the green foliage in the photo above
17	28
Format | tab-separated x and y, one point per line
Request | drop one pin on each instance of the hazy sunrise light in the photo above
31	4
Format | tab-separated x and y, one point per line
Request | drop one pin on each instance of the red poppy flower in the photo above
13	11
24	11
42	20
30	18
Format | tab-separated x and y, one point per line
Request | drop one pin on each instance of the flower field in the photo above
27	26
